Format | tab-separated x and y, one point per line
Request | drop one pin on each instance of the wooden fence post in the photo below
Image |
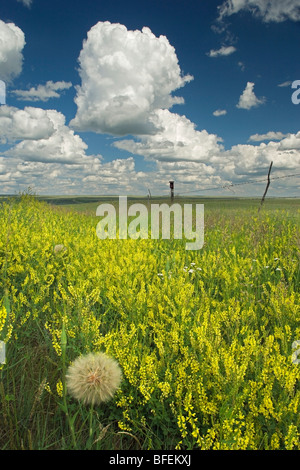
266	190
172	188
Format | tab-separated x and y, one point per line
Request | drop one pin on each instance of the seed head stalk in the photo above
63	355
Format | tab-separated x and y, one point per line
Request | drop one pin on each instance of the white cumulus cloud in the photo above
248	99
177	140
22	124
12	42
255	159
291	142
42	92
125	77
62	145
89	176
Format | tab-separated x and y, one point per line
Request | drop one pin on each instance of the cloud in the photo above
188	156
42	92
177	140
268	136
61	145
223	51
113	98
119	173
268	10
213	168
125	77
220	112
290	142
12	42
89	176
29	123
27	3
285	84
248	99
254	159
187	175
218	167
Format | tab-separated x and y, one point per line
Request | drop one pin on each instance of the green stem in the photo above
91	420
63	354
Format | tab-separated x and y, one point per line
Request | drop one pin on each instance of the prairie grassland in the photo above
204	338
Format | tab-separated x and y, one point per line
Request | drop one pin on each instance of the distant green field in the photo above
89	204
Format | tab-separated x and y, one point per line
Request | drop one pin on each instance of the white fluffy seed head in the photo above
59	248
93	378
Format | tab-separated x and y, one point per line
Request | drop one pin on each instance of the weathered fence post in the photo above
172	188
266	190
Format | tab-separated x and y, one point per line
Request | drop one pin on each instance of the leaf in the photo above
9	397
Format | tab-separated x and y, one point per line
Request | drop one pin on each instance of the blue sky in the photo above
114	97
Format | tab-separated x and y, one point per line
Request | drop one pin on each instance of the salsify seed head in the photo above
59	248
93	378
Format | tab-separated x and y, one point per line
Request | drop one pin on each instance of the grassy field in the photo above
205	340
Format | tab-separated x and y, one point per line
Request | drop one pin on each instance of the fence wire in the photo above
232	185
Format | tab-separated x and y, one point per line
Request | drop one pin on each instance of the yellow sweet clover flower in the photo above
3	315
123	426
214	344
292	440
8	333
56	342
59	388
165	387
275	442
47	388
25	318
181	421
178	445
